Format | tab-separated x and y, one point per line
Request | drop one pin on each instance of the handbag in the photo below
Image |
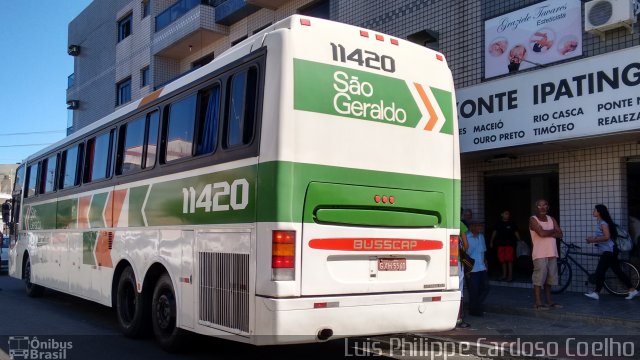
467	261
623	241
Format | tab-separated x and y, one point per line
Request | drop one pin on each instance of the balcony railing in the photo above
178	9
71	79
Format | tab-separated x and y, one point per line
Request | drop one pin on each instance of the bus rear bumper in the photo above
310	319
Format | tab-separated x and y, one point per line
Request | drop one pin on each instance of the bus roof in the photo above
243	48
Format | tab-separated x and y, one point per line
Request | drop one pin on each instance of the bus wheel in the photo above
129	305
163	315
32	289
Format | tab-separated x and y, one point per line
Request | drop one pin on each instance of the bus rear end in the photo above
359	186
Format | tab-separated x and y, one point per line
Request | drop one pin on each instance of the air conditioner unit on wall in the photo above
603	15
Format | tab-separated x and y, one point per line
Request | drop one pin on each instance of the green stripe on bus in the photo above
282	187
445	101
136	200
67	214
267	192
88	244
96	210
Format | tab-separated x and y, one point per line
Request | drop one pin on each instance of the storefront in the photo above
568	133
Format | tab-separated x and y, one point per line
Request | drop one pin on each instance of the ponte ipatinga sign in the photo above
594	96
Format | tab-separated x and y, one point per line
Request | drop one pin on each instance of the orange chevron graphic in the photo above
114	207
83	212
103	248
433	117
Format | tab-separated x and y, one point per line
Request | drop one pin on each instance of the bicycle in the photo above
611	281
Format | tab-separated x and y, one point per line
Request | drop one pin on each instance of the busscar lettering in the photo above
384	244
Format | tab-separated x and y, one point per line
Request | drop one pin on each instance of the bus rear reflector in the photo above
453	255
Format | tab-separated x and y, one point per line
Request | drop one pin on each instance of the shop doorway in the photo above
633	203
516	190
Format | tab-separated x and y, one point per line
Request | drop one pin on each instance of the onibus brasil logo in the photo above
32	348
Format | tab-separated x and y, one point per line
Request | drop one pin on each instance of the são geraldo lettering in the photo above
343	103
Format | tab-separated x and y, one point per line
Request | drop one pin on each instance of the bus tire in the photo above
32	289
164	315
130	305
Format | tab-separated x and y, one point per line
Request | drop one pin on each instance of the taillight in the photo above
453	255
283	254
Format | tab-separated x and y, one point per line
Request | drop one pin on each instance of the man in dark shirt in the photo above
505	236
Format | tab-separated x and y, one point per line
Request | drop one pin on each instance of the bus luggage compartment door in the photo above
360	239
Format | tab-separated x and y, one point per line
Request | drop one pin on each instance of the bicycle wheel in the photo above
617	287
564	277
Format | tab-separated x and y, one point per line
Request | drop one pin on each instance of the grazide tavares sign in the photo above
595	96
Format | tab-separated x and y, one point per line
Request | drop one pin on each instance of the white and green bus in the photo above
302	186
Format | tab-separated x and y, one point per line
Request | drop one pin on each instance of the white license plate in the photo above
392	264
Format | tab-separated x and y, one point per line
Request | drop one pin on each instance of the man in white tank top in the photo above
544	230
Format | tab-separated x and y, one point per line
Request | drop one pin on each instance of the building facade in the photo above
534	68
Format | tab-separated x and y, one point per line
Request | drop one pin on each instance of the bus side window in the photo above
48	174
208	121
98	155
69	167
131	146
241	107
137	145
179	129
32	177
152	139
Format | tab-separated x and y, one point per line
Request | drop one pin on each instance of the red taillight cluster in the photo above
453	250
283	249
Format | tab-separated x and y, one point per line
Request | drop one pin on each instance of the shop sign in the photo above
595	96
543	33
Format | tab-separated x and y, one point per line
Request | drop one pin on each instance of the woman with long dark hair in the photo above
606	232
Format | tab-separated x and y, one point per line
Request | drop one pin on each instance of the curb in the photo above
561	314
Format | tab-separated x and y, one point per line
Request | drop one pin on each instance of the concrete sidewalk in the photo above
609	310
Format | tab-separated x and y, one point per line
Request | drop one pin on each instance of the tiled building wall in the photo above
95	30
245	27
588	176
132	53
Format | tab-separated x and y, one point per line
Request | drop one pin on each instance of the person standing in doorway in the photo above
504	237
606	230
464	245
478	278
467	216
544	230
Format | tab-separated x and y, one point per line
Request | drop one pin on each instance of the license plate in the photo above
392	264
